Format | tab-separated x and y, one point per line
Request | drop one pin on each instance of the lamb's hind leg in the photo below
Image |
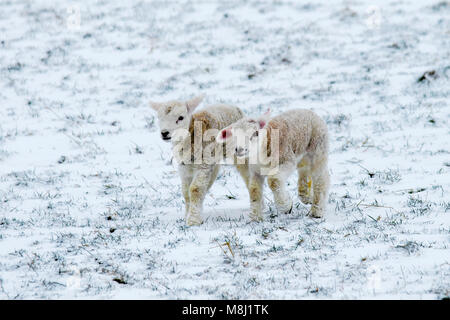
305	182
277	183
197	192
321	182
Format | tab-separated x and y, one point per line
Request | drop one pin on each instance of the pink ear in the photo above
226	133
264	118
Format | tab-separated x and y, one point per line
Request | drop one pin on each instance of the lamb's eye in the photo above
180	118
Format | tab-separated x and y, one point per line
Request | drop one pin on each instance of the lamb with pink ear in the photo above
277	146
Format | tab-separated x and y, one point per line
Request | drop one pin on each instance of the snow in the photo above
90	201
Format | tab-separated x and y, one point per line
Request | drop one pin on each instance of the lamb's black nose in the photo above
164	134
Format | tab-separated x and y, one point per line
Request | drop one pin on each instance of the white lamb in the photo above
296	139
197	175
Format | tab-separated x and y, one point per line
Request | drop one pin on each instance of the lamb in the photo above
296	139
180	125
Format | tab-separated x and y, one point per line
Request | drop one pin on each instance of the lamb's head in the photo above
245	134
175	115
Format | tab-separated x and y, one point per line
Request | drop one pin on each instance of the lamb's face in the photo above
244	134
171	117
175	115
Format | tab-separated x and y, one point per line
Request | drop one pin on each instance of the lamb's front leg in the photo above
186	180
244	173
277	183
256	183
197	192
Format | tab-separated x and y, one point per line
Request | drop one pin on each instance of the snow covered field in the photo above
90	202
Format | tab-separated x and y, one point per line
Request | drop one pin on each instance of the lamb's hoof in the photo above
305	199
285	209
256	217
316	212
194	220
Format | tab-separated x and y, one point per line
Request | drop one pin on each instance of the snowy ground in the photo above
90	204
